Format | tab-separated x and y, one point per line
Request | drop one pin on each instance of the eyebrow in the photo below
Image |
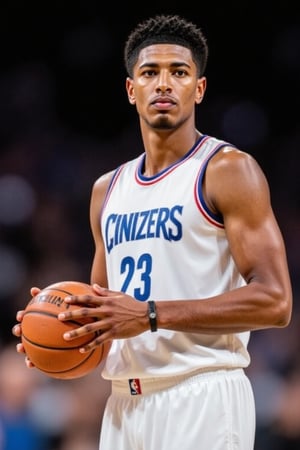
173	64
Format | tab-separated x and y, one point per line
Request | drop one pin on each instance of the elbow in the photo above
283	310
285	318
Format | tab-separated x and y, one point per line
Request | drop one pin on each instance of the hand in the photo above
17	329
117	316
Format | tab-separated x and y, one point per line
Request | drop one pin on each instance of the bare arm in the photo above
98	271
235	186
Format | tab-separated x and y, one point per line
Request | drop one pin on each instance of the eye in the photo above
180	73
149	73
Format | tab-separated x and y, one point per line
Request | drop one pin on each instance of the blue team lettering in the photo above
153	223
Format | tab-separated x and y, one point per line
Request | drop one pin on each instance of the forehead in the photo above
167	53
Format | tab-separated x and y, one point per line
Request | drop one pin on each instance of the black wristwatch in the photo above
152	315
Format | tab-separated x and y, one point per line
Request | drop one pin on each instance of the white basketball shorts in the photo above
209	411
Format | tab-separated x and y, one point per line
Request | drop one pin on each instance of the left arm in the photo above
236	187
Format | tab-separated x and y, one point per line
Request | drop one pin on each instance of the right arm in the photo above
98	271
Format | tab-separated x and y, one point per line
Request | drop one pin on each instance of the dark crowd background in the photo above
65	120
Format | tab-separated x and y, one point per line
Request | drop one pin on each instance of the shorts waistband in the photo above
138	386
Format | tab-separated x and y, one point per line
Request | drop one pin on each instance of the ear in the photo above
201	87
130	91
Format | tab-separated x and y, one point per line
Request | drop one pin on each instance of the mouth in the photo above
163	103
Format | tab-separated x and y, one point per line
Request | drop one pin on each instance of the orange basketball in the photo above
42	333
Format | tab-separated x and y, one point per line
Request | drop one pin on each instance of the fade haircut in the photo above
166	29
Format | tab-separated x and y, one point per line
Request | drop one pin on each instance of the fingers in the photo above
29	363
20	348
20	315
100	340
34	291
82	331
104	292
91	301
16	330
79	313
99	289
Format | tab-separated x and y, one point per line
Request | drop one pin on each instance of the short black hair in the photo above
166	29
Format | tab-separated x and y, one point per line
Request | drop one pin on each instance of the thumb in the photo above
99	289
34	291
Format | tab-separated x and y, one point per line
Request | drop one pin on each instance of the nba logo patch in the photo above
135	386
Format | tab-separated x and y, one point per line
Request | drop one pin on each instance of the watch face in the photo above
152	315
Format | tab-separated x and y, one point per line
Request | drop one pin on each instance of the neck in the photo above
163	150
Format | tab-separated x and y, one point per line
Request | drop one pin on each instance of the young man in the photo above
188	260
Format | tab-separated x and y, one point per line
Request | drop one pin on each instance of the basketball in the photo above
42	333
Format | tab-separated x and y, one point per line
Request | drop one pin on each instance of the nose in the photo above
163	84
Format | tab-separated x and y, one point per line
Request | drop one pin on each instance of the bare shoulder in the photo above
233	159
100	187
234	176
102	183
233	165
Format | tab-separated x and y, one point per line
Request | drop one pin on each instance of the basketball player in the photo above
189	259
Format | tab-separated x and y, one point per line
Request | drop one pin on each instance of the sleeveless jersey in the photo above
163	243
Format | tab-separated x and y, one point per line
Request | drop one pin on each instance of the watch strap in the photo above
152	315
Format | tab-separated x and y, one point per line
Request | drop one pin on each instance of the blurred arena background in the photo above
65	120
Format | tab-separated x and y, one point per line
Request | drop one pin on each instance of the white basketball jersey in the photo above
163	243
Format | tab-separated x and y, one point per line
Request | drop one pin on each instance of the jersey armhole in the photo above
110	186
216	219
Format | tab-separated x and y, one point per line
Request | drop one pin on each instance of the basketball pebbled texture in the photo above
42	333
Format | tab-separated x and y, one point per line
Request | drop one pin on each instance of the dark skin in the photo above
164	89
